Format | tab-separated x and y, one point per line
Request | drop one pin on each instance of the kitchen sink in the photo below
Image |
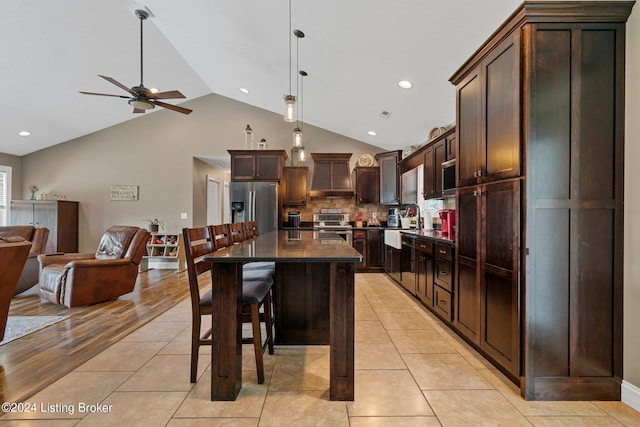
392	238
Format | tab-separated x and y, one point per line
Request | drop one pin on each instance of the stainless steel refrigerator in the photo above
255	201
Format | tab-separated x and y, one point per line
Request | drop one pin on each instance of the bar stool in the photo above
256	295
236	232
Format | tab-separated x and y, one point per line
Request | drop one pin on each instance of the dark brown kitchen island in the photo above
334	256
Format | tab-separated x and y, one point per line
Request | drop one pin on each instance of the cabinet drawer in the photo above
424	245
442	302
359	234
443	274
444	251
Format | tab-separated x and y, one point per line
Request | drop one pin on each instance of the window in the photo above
5	194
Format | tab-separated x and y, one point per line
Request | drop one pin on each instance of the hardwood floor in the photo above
29	364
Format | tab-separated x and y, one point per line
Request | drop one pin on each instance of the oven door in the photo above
329	234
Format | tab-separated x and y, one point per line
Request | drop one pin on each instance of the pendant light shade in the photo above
297	137
290	110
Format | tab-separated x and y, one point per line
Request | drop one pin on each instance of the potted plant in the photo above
154	224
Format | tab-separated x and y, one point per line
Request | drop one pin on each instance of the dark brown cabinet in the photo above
389	177
360	245
367	181
294	185
60	217
369	243
436	153
488	117
424	271
392	262
538	281
257	165
488	288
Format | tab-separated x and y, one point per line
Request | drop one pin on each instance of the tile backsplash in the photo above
314	205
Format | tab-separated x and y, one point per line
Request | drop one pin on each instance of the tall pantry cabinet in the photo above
540	120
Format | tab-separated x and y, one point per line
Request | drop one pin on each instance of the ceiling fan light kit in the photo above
141	98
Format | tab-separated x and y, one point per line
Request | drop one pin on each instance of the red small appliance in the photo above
448	220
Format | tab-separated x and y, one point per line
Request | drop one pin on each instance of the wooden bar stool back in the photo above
220	235
256	295
247	228
236	232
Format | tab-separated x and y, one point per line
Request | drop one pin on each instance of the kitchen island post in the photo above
336	256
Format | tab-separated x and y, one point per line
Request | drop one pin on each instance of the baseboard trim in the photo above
631	395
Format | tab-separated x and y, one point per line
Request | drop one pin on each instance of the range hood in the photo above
331	175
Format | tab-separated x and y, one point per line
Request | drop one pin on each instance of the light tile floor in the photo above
411	370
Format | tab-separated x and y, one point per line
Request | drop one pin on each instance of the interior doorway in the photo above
214	211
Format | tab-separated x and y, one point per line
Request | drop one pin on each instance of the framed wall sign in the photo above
123	192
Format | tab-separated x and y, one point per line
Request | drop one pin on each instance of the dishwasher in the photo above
408	263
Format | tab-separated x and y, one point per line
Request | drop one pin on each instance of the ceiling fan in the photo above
140	97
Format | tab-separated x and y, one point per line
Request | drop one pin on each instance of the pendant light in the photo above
298	152
297	132
290	113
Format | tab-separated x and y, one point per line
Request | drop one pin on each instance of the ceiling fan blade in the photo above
167	95
138	110
103	94
173	107
117	83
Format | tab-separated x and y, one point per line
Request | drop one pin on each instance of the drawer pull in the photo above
443	302
442	252
423	246
443	273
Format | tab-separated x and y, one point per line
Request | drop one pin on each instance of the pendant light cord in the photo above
141	52
297	73
289	35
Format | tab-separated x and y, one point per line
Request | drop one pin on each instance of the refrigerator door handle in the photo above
252	206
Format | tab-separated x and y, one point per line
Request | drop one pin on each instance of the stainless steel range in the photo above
331	222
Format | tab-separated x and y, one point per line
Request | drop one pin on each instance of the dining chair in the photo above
256	295
247	229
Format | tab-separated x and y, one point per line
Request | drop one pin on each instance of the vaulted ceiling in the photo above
355	52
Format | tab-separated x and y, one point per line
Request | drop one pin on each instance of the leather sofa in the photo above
38	238
84	278
12	259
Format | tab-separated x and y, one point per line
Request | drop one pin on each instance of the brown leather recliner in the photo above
38	238
82	278
12	259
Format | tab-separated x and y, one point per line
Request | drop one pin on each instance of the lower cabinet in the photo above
392	262
424	271
369	243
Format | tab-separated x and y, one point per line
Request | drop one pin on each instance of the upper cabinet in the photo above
367	180
389	181
436	152
331	175
295	186
257	165
488	117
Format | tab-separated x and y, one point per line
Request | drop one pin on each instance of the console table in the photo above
334	255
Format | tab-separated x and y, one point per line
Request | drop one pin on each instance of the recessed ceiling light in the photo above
405	84
154	90
24	133
372	133
244	90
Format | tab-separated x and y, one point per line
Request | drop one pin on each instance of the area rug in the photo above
19	326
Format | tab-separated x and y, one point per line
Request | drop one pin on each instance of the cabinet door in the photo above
268	167
501	142
389	183
439	156
424	272
467	287
469	128
374	249
295	186
21	213
500	285
243	167
360	245
46	215
451	147
428	175
367	185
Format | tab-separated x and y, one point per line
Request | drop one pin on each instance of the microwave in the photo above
449	177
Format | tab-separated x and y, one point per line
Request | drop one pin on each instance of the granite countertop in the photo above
430	234
288	246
